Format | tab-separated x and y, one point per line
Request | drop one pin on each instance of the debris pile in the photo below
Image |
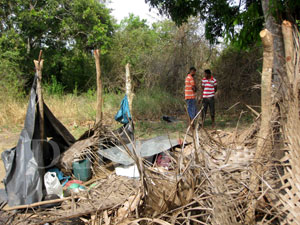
205	181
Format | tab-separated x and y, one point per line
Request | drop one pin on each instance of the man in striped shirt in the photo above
209	88
190	93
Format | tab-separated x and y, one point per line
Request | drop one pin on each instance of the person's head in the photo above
192	71
207	74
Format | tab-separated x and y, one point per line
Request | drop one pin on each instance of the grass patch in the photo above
228	120
149	129
78	112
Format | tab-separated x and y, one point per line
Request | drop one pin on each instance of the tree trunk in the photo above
275	29
99	86
287	31
264	145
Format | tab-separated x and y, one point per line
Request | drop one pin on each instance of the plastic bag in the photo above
123	115
52	184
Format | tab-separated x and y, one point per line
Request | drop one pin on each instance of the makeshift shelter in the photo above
25	164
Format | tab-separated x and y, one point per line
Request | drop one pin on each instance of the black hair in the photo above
207	72
193	69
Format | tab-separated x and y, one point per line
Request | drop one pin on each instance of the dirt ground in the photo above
7	141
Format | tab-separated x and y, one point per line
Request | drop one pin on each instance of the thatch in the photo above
100	136
290	190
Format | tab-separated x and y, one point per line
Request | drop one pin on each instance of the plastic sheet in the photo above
25	164
143	149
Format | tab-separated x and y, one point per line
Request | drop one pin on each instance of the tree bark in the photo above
287	31
129	87
264	145
39	66
275	29
99	86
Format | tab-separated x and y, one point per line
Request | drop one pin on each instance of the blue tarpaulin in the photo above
123	115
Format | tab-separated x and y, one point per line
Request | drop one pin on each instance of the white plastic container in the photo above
52	184
128	171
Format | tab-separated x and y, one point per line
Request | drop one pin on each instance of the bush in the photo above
11	79
237	74
155	102
54	87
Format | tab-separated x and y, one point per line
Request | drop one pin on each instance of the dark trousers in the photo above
208	103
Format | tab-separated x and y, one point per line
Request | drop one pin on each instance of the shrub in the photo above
155	102
54	87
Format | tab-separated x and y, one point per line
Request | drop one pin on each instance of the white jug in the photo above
52	184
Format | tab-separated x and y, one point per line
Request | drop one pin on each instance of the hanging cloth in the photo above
123	115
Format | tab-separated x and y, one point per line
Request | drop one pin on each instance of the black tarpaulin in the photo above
25	164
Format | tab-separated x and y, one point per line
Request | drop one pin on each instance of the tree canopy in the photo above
239	21
67	31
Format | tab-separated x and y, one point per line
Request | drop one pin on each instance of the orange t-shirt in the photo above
189	84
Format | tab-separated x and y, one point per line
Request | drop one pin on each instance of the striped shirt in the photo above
208	86
189	83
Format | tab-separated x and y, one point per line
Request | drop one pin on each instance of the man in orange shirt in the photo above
190	93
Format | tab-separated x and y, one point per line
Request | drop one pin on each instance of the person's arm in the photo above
201	92
194	87
216	85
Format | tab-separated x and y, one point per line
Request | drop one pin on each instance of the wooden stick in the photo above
39	204
39	66
99	86
77	214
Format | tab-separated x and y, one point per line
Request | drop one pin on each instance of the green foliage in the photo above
112	102
54	87
149	129
11	80
65	30
236	23
159	55
155	102
91	94
250	21
132	42
238	76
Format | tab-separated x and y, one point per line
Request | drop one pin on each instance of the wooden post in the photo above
287	31
99	86
129	87
39	67
264	146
